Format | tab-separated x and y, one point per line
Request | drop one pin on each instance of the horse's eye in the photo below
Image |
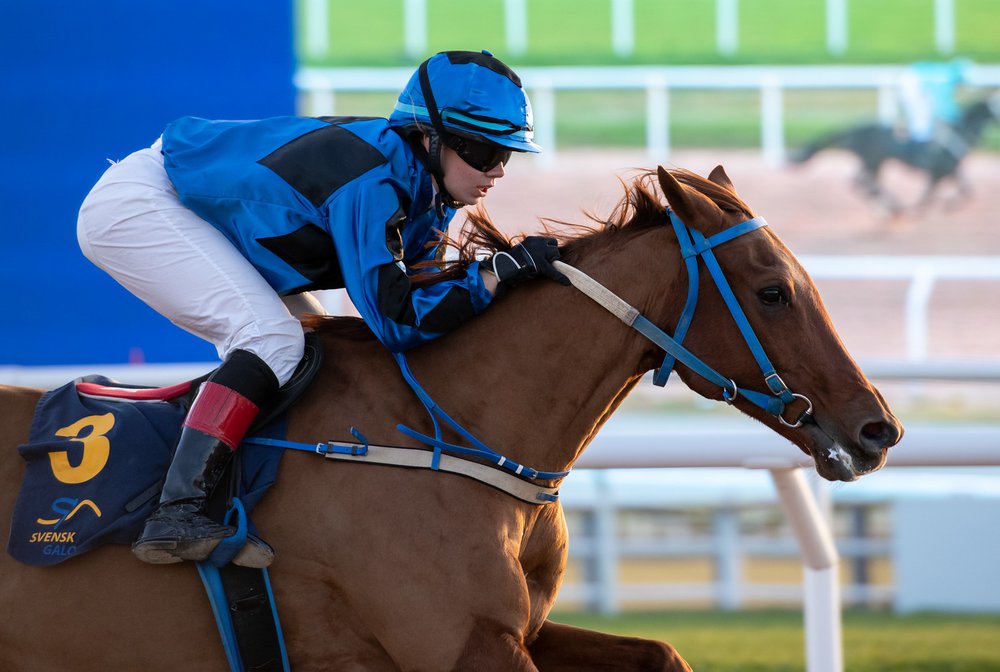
771	296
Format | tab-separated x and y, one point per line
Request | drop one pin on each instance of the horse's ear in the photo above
678	197
672	189
718	175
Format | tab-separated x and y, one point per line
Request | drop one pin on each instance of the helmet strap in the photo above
434	136
415	141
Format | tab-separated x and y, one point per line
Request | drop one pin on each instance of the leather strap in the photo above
365	453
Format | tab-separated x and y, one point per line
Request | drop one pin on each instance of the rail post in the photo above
657	118
543	103
836	26
516	25
415	27
772	121
824	646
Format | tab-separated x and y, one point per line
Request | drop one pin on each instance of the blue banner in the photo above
84	82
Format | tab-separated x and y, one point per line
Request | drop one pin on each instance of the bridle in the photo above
695	246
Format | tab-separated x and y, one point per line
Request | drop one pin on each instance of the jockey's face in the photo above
466	184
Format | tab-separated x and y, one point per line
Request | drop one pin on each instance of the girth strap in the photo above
366	453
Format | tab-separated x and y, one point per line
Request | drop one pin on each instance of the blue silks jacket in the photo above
324	203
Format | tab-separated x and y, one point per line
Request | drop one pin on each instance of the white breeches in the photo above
133	226
918	108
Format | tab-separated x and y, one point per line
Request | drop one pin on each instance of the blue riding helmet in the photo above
473	94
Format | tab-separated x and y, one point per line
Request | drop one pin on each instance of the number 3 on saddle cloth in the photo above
97	455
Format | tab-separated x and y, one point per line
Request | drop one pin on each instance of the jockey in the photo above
927	94
224	226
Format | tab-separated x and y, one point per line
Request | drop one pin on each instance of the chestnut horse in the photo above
385	568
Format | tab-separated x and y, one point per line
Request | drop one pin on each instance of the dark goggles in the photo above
483	156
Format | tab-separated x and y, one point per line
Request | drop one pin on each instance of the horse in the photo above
383	568
939	158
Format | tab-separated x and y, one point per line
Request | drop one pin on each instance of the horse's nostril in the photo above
879	434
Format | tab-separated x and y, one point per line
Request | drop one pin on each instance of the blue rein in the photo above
693	246
480	450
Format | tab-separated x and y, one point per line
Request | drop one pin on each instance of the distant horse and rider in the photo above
938	156
388	568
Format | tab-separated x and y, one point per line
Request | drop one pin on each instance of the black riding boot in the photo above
224	409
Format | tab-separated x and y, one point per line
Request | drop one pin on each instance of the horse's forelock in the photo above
721	195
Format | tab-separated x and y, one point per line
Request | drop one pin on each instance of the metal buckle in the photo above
342	448
806	413
779	391
730	398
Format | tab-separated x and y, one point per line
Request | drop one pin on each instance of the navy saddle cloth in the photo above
95	466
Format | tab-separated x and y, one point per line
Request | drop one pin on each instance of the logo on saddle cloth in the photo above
66	514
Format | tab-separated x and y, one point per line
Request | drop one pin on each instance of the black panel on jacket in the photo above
395	302
320	162
309	250
394	295
454	309
394	233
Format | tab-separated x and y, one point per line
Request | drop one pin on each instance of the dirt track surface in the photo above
816	211
813	207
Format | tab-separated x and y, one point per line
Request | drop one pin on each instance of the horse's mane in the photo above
640	208
350	328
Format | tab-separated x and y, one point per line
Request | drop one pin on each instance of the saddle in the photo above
182	394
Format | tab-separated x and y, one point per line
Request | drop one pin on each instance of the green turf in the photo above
666	31
773	641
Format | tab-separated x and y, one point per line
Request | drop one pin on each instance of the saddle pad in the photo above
94	472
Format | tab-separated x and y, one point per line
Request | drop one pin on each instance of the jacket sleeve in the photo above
367	229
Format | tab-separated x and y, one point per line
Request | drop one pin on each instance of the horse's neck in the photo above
538	374
533	378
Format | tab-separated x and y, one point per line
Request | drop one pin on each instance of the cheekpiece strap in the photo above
694	245
691	249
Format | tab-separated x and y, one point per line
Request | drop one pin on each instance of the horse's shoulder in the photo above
17	408
350	346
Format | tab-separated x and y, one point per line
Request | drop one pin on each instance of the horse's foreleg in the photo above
927	197
492	648
563	648
963	189
891	207
867	181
